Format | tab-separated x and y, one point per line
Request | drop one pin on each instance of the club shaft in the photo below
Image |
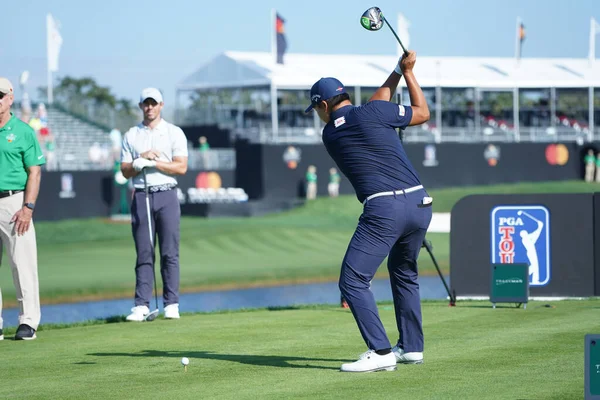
394	32
530	216
150	234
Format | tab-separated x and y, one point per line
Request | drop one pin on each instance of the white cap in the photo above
151	93
5	86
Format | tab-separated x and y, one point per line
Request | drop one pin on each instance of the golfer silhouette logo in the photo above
521	234
529	239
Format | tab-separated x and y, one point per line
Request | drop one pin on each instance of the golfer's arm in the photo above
420	109
128	171
387	90
32	188
178	166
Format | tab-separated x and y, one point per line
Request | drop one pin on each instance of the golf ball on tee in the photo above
185	361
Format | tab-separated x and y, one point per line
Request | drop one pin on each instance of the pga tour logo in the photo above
521	234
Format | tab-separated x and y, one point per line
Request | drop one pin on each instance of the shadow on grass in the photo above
84	363
114	319
271	361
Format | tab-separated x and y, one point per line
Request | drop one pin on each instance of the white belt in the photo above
403	191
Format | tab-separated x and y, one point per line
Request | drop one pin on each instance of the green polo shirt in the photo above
19	149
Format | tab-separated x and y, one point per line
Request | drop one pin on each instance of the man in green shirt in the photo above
20	162
334	183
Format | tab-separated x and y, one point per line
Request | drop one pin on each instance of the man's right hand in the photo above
408	61
150	155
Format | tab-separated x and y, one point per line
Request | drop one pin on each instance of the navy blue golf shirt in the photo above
366	148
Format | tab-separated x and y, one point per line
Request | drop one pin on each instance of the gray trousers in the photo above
165	213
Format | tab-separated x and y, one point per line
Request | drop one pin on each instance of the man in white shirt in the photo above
160	148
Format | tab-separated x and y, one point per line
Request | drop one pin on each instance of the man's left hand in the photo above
22	220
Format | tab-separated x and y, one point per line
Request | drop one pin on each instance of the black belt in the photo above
157	188
7	193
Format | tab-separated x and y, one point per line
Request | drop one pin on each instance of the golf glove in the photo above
397	69
141	163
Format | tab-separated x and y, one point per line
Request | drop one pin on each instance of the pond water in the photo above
278	296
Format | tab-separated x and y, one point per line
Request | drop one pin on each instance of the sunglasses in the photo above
3	95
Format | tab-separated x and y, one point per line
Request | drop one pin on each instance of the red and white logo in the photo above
339	122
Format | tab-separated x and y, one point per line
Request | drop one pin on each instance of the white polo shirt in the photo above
166	138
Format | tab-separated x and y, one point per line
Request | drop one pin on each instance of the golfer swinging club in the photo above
529	240
364	144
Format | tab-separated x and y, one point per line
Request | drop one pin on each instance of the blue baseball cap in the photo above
324	89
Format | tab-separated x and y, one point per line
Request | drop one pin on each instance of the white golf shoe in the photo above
370	361
407	358
172	311
138	314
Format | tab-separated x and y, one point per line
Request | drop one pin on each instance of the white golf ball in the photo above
185	361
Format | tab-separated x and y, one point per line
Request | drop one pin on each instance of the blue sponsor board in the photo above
521	234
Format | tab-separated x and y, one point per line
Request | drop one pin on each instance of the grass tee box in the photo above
471	352
510	284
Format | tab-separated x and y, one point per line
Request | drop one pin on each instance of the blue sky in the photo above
129	45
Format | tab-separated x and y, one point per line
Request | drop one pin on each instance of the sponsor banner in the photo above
521	234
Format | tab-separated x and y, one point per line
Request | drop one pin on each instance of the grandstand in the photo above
74	138
471	99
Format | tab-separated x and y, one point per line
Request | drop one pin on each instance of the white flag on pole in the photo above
594	30
54	42
402	31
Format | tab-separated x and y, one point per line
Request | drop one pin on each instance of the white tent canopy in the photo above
244	69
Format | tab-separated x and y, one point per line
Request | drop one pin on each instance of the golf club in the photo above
152	315
373	20
451	295
527	214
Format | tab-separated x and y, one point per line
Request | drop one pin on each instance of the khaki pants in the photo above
21	252
311	190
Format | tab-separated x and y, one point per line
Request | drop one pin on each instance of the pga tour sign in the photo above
521	234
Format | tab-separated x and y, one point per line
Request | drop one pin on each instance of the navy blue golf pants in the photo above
394	226
165	215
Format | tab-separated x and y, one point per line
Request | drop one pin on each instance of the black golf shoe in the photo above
25	332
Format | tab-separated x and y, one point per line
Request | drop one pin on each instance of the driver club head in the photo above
151	316
372	19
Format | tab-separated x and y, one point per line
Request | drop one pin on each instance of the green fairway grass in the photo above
95	258
471	352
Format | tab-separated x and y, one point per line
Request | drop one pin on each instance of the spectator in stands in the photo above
204	148
42	114
598	167
203	144
50	153
311	182
590	165
334	183
20	173
160	149
36	125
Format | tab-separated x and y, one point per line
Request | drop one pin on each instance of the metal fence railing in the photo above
421	134
207	160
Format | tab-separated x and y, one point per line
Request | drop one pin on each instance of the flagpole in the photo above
50	94
274	35
518	40
49	76
592	51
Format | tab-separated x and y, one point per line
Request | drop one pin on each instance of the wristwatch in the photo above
31	206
